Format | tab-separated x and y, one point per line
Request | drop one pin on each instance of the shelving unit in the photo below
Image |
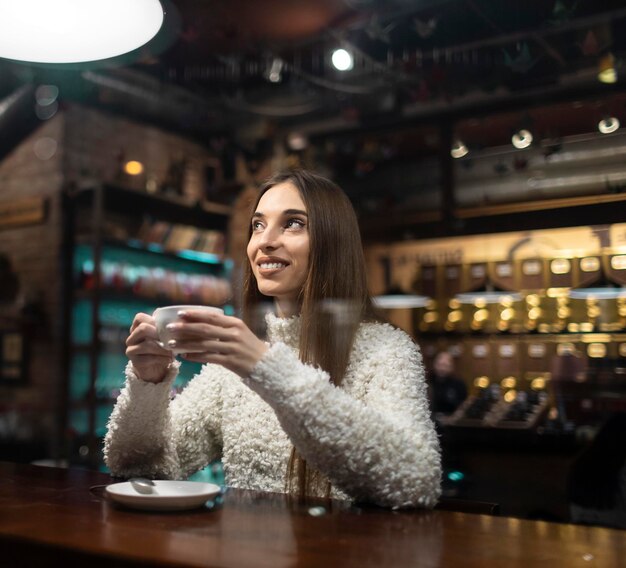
110	273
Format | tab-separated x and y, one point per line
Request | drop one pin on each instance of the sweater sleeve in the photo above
381	448
149	434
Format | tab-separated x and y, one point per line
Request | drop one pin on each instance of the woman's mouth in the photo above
272	265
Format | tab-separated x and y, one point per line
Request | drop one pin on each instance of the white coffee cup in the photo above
168	314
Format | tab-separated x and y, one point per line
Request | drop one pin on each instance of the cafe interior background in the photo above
480	144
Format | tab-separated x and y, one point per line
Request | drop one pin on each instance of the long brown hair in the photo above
334	299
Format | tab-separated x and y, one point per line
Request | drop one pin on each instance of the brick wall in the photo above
34	169
94	141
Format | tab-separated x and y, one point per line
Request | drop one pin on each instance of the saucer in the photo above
165	496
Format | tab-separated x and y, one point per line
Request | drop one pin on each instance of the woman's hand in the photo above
149	359
212	337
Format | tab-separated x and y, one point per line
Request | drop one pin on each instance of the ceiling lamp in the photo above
342	60
608	125
606	69
522	139
458	149
74	31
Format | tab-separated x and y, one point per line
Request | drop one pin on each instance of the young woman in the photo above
334	404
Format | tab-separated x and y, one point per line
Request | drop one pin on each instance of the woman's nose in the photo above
269	239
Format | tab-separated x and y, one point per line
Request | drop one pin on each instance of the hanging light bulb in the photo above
342	60
133	168
608	124
297	141
458	149
522	139
68	31
275	72
606	69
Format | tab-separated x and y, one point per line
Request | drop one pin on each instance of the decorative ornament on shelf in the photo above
522	61
376	31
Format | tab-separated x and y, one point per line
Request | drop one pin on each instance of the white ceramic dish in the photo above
165	495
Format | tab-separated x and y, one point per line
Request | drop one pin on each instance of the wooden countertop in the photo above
53	516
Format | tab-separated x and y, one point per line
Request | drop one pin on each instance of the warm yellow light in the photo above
510	396
606	69
480	302
507	314
481	382
133	168
533	299
431	317
455	316
538	384
508	383
557	293
481	315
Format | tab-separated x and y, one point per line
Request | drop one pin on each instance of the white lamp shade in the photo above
488	297
73	31
400	301
599	293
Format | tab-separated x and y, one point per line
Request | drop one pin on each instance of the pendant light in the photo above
396	298
488	294
75	31
608	292
606	288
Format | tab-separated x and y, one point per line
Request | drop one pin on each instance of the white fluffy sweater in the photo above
372	437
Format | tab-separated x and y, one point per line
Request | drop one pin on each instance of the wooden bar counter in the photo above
58	517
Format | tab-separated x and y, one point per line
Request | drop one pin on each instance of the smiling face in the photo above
278	249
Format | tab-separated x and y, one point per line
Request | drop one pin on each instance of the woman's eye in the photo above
256	225
295	224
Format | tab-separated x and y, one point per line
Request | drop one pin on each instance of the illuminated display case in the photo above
124	252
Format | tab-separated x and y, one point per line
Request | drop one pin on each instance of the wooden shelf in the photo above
175	209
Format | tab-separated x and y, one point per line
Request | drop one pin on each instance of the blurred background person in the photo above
447	390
